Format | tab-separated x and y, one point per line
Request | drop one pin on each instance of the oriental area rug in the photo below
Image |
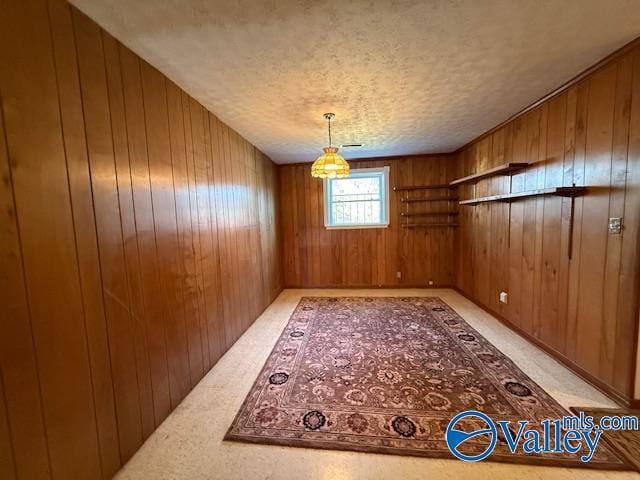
386	375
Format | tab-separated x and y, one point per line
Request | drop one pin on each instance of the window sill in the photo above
354	227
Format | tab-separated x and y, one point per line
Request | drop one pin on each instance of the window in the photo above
359	201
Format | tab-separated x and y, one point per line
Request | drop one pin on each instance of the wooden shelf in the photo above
428	214
510	197
429	199
424	187
505	169
429	225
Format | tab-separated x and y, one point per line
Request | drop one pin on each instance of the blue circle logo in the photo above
456	436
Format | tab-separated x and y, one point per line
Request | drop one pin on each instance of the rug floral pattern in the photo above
387	374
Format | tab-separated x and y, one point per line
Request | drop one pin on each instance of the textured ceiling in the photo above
403	77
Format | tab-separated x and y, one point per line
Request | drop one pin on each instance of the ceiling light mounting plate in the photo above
329	116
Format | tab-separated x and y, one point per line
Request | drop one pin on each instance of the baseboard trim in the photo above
610	392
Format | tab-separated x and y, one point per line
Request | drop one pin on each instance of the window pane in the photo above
355	213
357	200
356	188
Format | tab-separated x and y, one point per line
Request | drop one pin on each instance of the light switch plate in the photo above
615	225
504	297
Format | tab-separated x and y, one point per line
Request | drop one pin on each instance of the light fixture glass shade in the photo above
330	165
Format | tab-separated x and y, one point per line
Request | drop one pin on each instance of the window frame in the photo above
385	199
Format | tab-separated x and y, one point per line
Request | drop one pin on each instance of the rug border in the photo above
508	459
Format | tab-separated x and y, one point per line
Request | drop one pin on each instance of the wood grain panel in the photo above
185	235
614	259
217	329
166	237
72	117
31	111
99	139
629	275
130	398
21	384
135	220
315	257
207	267
198	336
7	465
578	307
111	268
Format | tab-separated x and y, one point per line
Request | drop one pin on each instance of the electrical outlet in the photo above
504	297
615	225
398	274
430	282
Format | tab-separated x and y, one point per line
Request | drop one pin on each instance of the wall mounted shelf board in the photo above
429	225
510	197
424	187
428	199
505	169
428	214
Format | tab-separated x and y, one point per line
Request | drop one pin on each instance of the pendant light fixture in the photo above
330	164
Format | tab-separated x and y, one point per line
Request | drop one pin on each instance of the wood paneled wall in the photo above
137	243
585	309
316	257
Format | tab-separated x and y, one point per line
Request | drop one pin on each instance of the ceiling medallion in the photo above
330	164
